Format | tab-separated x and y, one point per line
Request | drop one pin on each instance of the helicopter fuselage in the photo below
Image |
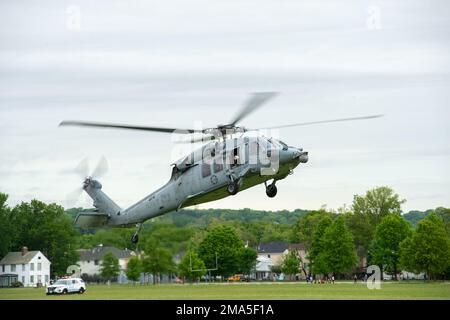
204	175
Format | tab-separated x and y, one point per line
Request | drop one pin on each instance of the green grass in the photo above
252	291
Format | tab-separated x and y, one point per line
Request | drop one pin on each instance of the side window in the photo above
206	170
31	266
218	167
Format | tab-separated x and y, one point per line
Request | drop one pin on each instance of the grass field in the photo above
251	291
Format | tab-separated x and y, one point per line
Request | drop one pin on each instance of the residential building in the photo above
271	254
31	268
91	260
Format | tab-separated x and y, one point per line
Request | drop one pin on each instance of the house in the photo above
91	260
271	254
31	268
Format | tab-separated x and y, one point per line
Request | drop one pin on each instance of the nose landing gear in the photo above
271	189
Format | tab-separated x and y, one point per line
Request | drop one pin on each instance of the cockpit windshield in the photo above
278	144
285	146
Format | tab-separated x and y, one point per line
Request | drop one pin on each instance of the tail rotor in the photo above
82	170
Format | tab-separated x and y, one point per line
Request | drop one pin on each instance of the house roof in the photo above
273	247
279	247
18	258
98	252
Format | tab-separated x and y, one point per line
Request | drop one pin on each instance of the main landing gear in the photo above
233	188
271	189
135	237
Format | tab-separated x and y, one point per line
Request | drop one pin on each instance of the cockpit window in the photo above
285	146
279	144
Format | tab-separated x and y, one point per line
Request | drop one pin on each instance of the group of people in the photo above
355	278
326	279
313	279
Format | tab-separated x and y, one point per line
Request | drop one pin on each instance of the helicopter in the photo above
228	162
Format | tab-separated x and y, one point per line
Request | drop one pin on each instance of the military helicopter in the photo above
229	161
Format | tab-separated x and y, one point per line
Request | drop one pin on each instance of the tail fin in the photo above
102	202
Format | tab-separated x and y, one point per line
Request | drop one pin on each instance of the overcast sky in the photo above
192	63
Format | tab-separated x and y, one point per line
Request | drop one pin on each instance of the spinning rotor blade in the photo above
101	169
123	126
205	138
82	169
73	197
317	122
256	100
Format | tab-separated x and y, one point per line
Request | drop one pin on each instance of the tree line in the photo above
371	230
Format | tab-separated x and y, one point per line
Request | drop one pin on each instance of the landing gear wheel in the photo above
135	238
271	190
233	188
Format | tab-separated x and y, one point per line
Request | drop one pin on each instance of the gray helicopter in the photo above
229	161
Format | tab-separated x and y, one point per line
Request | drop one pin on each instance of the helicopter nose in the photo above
301	155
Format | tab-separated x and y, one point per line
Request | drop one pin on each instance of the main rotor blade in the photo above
205	138
124	126
101	169
256	100
317	122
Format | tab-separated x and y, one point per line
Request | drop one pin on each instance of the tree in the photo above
109	268
115	237
317	246
291	263
338	254
247	260
367	212
157	260
391	231
192	267
47	228
134	268
428	249
7	230
303	230
223	242
444	213
378	203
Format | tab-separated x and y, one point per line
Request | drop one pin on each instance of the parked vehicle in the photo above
65	286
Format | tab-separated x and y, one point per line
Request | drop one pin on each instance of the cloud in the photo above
177	64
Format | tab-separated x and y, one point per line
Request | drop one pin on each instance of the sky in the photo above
193	63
